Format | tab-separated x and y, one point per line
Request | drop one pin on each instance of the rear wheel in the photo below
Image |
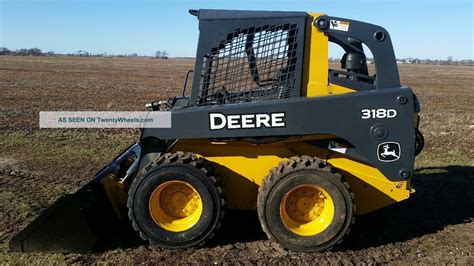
305	205
419	141
176	202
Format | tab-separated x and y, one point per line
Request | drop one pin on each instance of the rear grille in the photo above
256	63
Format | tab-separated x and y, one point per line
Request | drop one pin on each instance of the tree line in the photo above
24	51
410	60
163	54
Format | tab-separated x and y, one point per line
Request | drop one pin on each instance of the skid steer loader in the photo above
267	125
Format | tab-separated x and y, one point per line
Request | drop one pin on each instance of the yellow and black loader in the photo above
267	125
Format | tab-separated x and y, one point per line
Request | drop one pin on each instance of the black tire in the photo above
184	167
298	171
419	142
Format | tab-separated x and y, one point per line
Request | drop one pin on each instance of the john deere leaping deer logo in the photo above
388	151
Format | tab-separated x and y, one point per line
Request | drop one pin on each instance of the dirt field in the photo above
436	225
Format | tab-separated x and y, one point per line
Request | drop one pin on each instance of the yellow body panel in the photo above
372	190
316	64
243	166
334	89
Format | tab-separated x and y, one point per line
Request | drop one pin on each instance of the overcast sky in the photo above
424	29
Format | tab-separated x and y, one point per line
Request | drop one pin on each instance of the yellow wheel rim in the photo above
307	210
175	206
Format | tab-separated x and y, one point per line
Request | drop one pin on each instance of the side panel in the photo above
339	115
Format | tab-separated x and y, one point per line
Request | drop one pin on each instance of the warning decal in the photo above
339	25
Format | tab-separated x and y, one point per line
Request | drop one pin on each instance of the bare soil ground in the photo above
436	225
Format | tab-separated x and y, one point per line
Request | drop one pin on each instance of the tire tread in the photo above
290	165
177	158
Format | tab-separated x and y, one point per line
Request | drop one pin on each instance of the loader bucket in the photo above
82	221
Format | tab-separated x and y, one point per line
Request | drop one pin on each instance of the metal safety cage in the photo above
247	56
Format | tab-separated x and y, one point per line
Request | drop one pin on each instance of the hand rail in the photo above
186	81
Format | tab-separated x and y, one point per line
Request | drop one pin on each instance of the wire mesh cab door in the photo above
247	56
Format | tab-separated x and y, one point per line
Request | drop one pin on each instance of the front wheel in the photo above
304	205
176	202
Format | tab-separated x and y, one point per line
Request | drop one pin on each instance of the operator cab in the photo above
354	72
